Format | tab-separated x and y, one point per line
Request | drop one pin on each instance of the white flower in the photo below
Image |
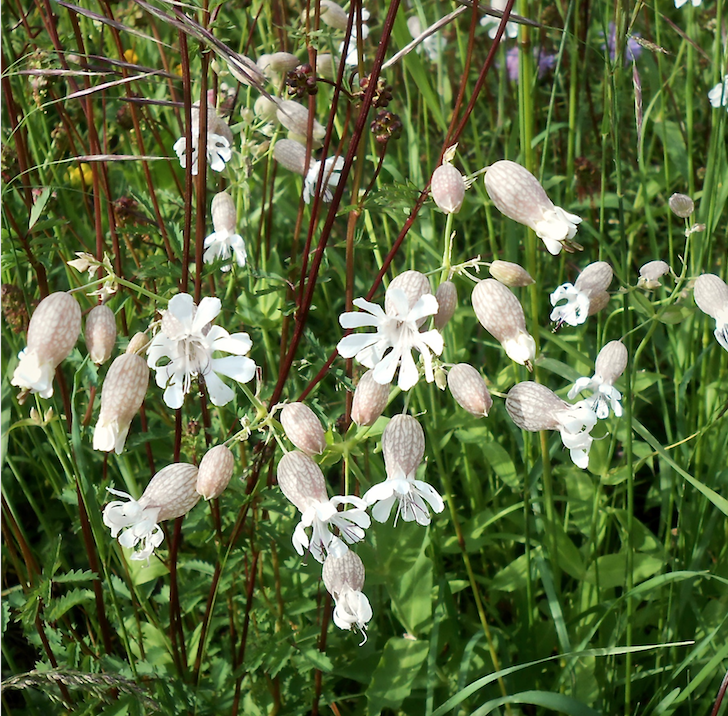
397	334
680	3
352	57
332	174
610	364
492	22
574	311
718	96
223	245
188	341
352	610
139	524
343	577
432	45
576	423
219	152
411	496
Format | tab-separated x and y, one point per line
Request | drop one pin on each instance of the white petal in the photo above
349	346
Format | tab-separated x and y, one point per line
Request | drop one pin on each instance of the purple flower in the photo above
631	52
544	60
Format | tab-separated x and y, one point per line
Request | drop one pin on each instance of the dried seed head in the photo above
138	343
501	314
447	187
172	490
52	333
682	205
533	406
650	274
215	471
224	214
370	400
344	570
594	279
413	283
447	302
303	428
611	362
301	480
598	302
518	194
291	155
277	63
122	394
711	294
510	274
294	117
469	389
100	333
403	446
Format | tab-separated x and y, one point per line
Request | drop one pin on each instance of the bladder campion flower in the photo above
343	577
610	364
533	407
188	341
303	428
593	281
518	194
224	242
292	155
219	141
397	334
302	482
352	55
170	494
718	96
52	333
711	296
650	273
469	389
215	471
100	333
492	23
403	446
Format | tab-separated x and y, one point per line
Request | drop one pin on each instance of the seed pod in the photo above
413	283
303	428
710	293
532	406
100	333
290	154
594	279
370	400
650	274
682	205
469	389
510	274
278	62
301	480
172	489
224	213
403	446
447	302
340	571
215	471
447	187
122	394
52	333
501	314
294	117
611	362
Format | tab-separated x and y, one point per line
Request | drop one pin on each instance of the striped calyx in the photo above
594	279
469	389
533	406
303	428
414	285
447	187
510	274
214	472
611	362
447	302
710	293
172	490
344	570
100	333
403	446
370	400
224	214
301	480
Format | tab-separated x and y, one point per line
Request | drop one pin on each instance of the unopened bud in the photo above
510	274
303	428
138	343
214	472
403	446
447	302
334	15
682	205
278	62
370	400
224	213
265	109
650	274
469	389
100	333
447	187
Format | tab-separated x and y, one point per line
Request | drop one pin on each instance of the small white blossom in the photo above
492	23
718	96
218	145
188	341
343	577
574	311
610	364
332	175
224	242
680	3
396	335
576	423
352	56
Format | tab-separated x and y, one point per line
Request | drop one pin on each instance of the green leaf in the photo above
38	207
72	599
554	702
502	464
612	569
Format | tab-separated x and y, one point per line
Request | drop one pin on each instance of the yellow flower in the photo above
131	57
83	170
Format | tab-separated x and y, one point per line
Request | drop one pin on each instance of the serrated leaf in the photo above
75	575
72	599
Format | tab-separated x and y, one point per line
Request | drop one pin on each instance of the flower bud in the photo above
611	362
413	283
100	333
469	389
333	15
403	446
594	279
224	213
650	274
291	155
301	480
294	117
447	302
138	343
278	62
122	394
370	400
265	109
501	314
214	472
682	205
510	274
532	406
245	71
447	187
52	333
303	428
326	65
